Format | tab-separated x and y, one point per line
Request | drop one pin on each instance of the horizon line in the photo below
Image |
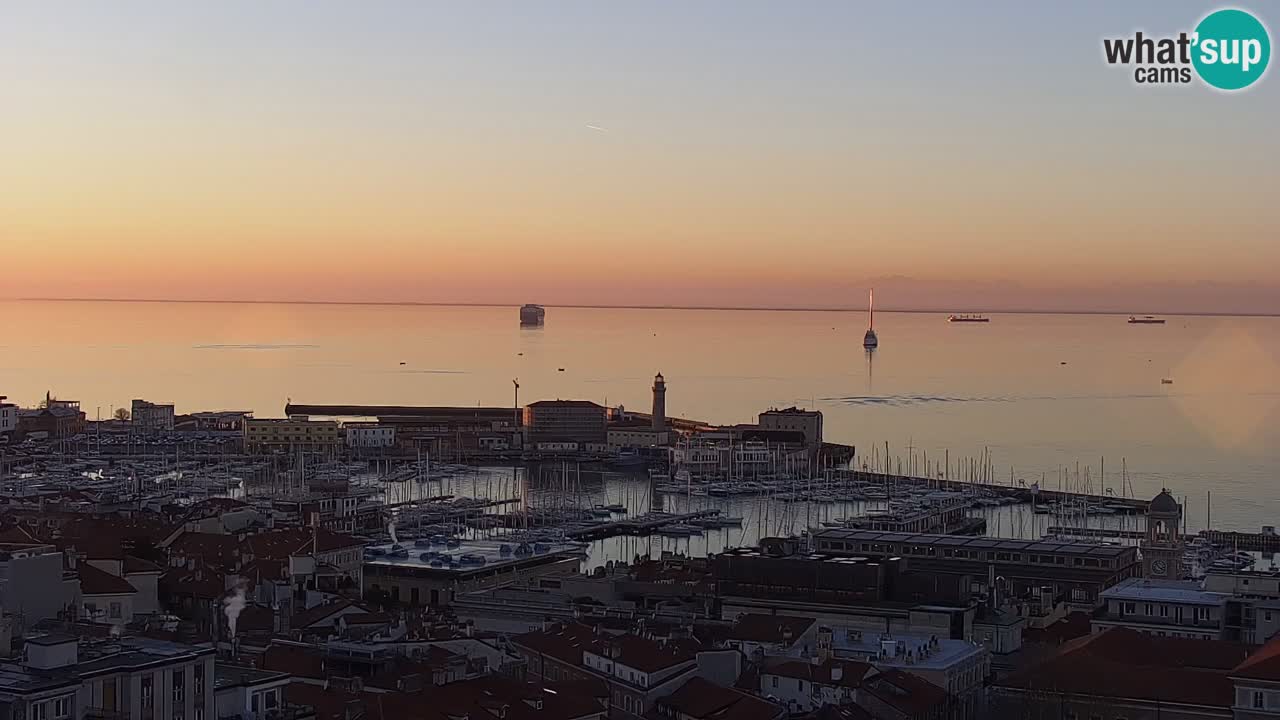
598	306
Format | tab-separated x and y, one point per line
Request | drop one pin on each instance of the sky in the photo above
975	156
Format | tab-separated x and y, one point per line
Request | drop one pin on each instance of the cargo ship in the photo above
968	318
1145	320
532	315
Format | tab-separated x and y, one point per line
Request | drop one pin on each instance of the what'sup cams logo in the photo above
1228	50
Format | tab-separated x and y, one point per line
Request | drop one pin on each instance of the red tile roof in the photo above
1124	663
704	700
99	582
1264	664
851	671
567	642
910	694
322	614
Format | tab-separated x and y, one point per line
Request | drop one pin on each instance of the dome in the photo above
1164	503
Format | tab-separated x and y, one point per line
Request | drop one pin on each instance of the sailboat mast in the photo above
871	306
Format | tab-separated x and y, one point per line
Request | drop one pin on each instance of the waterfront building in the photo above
437	431
636	435
8	418
361	436
57	420
226	420
293	433
1075	572
807	422
564	421
151	417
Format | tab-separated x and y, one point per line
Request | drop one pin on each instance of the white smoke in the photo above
232	606
391	530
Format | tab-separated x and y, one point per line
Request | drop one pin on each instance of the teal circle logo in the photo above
1232	49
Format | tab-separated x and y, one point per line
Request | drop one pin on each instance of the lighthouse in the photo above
659	403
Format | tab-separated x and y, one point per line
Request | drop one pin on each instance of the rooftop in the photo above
704	700
909	651
567	642
975	542
1124	663
1183	592
440	559
229	676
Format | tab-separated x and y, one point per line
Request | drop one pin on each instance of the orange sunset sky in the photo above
727	154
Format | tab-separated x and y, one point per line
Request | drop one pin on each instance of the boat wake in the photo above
908	400
256	346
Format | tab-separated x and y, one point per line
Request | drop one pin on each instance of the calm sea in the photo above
1036	393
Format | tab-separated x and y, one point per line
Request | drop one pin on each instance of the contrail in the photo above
597	128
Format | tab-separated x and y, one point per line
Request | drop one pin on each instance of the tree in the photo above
122	414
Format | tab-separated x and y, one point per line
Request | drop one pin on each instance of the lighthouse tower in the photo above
659	403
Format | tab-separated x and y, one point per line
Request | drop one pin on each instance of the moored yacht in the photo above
870	341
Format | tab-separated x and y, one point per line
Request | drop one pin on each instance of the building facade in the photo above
808	422
579	421
151	417
1168	608
8	418
273	434
370	436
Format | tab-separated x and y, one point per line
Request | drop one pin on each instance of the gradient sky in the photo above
975	155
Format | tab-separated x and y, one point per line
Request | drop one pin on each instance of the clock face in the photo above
1159	567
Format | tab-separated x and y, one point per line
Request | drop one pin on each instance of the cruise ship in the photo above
1145	320
968	318
532	315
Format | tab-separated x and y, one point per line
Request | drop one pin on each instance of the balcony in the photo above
98	713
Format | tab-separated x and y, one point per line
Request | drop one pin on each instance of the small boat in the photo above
532	315
968	318
1166	381
870	341
1145	320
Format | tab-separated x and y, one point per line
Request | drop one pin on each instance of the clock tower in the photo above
1162	547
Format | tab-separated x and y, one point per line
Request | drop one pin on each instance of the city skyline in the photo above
574	154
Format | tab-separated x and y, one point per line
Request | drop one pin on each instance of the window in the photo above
148	692
1164	611
179	684
199	682
1257	699
801	685
1148	610
1266	615
115	609
775	681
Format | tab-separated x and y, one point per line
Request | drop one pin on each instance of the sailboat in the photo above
870	341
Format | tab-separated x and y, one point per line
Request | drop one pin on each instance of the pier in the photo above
638	526
1022	492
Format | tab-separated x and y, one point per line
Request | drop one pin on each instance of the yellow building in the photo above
266	434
